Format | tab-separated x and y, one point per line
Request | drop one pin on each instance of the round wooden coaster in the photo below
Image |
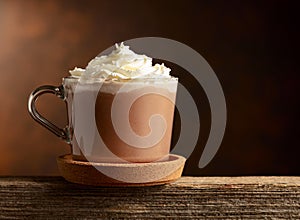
121	174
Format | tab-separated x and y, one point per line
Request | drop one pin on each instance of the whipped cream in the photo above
122	63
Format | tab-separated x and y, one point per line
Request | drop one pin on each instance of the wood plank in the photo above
189	197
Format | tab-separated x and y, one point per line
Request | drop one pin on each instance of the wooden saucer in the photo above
121	174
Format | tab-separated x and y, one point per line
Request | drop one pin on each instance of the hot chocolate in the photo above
128	102
144	138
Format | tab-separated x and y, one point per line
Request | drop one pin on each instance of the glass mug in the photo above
114	120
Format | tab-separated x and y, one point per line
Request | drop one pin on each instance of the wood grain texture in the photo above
189	197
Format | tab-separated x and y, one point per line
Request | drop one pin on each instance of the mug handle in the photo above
59	92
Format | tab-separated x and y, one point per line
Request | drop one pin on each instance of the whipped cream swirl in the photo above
122	63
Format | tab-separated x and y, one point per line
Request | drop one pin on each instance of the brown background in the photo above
251	45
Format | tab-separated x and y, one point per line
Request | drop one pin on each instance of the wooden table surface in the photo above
189	197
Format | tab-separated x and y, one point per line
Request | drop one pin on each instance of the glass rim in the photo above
97	80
